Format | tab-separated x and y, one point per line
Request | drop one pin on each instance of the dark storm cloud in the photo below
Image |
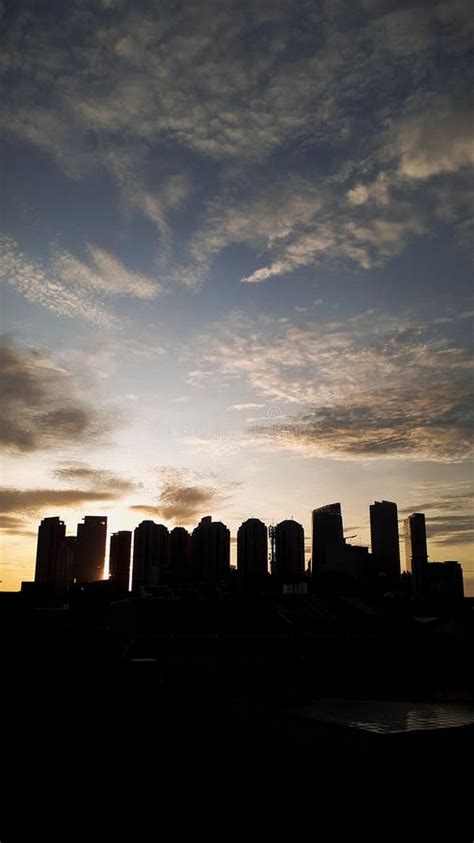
41	407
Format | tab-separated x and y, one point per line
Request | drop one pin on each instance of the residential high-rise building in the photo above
119	559
68	555
252	548
89	555
180	553
150	553
385	540
210	550
327	531
51	534
289	550
416	551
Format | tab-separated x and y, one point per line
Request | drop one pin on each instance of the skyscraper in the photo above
385	540
90	549
327	531
252	548
289	549
119	559
51	534
68	555
416	551
210	549
150	553
180	553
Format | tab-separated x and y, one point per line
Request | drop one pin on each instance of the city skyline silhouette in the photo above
204	554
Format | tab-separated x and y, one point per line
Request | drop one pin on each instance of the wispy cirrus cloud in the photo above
371	386
71	287
449	511
98	479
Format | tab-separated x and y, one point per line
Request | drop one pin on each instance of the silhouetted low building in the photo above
350	561
444	579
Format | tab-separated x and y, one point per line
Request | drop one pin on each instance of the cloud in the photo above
266	76
449	511
451	529
31	501
184	496
21	506
94	478
378	425
117	91
294	223
42	409
370	386
89	486
12	525
435	142
240	408
72	287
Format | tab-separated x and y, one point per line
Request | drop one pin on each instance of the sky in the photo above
236	262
